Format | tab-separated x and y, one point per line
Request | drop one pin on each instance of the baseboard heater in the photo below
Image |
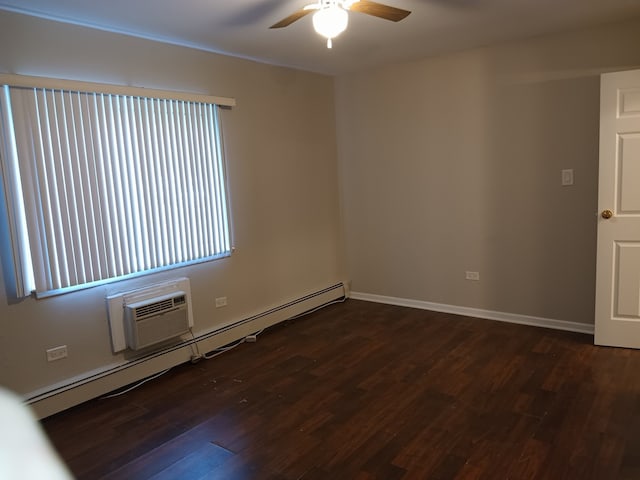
99	382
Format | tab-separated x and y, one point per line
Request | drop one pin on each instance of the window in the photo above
103	186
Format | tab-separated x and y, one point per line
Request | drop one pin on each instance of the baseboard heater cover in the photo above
94	384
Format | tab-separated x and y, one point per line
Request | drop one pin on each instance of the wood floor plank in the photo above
199	462
368	391
174	451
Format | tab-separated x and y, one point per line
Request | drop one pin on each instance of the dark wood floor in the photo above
366	391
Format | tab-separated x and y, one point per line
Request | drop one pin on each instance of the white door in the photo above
617	320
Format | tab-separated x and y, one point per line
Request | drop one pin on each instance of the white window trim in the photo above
81	86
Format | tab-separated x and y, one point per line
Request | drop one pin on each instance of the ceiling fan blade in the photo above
291	18
379	10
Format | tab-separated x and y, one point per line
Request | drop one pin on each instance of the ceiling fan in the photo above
331	16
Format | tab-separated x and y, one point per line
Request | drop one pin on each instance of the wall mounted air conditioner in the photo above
156	319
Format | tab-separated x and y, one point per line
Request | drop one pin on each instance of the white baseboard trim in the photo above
73	391
478	313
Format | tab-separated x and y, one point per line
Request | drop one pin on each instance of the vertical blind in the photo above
102	186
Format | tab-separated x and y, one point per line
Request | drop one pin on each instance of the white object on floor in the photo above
25	451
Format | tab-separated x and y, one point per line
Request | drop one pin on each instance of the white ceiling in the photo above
241	27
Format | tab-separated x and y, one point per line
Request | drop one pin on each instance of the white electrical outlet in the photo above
221	302
472	275
567	177
57	353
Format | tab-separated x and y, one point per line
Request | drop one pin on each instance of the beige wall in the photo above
283	187
453	163
445	165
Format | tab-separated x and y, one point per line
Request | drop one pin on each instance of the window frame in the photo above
17	212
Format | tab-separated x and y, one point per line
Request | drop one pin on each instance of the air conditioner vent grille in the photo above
156	319
158	307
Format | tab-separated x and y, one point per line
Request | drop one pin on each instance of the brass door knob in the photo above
607	214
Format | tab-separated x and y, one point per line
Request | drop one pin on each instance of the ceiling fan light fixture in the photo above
330	22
